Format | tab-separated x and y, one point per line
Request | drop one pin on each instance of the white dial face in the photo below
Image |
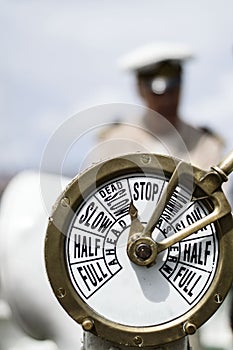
118	289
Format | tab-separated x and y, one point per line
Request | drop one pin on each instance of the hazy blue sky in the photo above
59	57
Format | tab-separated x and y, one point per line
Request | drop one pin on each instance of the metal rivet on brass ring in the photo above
138	340
65	202
190	328
87	324
146	159
61	292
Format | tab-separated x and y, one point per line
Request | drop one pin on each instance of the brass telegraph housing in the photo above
205	188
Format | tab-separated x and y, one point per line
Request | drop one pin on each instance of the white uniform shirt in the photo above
198	146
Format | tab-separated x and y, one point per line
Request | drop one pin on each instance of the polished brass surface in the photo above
207	188
166	195
134	245
226	165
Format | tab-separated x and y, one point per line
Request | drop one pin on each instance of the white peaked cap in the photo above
150	55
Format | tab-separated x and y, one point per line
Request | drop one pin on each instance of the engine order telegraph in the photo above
138	248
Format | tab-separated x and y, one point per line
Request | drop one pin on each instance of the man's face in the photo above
166	103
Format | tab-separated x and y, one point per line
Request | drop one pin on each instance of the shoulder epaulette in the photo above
212	133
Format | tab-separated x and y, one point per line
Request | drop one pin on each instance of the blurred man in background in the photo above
158	70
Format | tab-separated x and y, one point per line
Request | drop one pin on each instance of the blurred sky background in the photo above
59	57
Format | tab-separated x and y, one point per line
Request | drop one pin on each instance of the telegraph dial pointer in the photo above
141	248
